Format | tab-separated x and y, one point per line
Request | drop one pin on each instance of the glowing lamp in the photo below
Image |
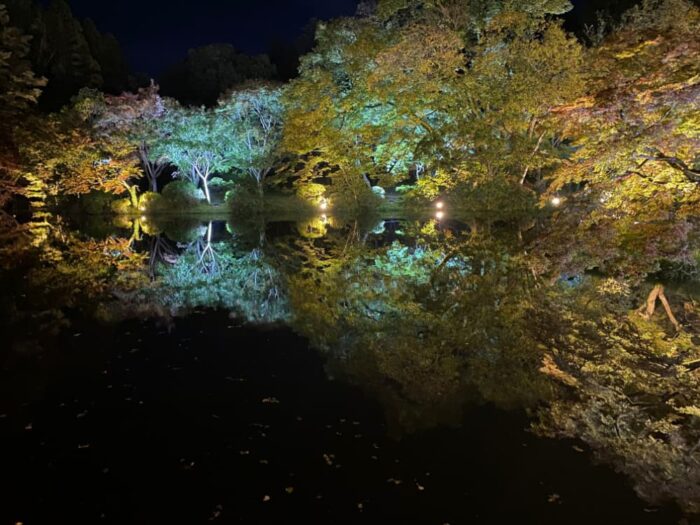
323	205
556	201
440	215
439	205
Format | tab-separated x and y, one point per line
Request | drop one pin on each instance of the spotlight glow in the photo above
439	205
556	201
440	215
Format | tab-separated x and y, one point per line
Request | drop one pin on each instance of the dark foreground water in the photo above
335	373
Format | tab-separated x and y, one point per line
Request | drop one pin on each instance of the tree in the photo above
20	88
135	117
19	91
197	141
70	64
69	53
635	134
254	120
480	105
65	156
106	51
210	71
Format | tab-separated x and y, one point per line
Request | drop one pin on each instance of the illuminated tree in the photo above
378	98
254	119
19	91
636	133
135	117
65	156
198	142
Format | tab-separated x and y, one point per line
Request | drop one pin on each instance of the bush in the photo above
122	207
151	202
311	192
182	192
379	192
217	183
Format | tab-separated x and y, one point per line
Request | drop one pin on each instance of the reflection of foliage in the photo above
418	337
633	391
214	275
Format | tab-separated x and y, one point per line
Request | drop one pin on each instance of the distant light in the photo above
323	205
556	201
439	205
142	208
143	218
440	215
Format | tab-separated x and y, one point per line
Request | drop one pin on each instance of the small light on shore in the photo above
439	205
556	201
323	204
440	215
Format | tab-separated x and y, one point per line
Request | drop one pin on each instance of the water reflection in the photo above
427	316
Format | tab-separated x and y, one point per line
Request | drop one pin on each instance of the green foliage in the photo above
197	142
182	193
212	275
150	202
253	121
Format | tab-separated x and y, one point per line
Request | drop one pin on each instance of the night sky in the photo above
156	33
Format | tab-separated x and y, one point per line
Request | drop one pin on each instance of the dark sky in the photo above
157	33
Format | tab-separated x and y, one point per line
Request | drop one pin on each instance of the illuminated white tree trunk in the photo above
202	171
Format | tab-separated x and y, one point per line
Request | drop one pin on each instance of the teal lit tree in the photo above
254	119
197	142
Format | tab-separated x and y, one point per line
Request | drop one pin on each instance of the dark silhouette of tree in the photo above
71	54
209	71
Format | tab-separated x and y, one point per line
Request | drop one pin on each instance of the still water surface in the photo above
329	371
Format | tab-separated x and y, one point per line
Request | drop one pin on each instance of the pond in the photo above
346	371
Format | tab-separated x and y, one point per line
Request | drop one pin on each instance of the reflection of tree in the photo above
212	274
161	252
630	390
420	329
205	253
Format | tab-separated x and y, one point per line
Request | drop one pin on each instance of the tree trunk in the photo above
133	195
205	183
647	310
151	169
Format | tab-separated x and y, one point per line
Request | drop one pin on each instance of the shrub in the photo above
182	192
311	192
151	202
122	207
